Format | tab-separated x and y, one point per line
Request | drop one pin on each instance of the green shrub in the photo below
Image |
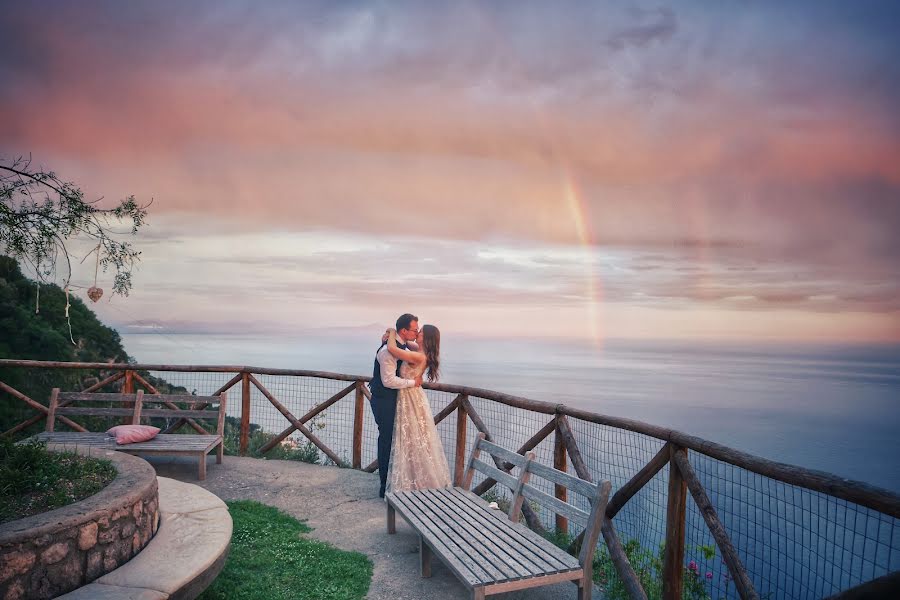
34	480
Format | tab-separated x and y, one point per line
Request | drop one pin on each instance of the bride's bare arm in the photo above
400	353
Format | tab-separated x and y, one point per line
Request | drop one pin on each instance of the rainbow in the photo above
578	209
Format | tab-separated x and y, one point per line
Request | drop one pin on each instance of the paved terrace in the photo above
343	508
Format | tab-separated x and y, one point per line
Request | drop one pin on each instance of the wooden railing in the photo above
682	478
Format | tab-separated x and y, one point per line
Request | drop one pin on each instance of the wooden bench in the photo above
489	552
135	407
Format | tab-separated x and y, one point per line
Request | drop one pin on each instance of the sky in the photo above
689	170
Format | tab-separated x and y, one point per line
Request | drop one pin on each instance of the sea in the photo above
834	408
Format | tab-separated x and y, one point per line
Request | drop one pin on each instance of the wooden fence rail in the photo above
681	478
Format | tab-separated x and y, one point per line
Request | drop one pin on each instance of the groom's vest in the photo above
377	386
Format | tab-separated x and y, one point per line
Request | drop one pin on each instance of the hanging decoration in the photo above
94	292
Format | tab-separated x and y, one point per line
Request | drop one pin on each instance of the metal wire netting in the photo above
794	542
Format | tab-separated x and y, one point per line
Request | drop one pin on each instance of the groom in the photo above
385	383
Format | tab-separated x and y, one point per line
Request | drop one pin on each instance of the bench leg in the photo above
220	452
391	519
478	593
202	471
425	557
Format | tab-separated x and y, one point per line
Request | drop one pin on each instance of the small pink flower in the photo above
709	574
692	566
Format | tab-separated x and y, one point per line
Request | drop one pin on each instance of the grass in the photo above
270	559
33	480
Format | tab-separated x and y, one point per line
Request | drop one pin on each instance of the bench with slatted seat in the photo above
135	407
491	552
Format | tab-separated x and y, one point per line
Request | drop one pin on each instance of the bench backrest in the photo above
597	494
136	406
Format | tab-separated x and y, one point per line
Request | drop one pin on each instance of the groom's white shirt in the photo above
389	371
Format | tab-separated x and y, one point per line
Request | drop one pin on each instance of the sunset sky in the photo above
693	170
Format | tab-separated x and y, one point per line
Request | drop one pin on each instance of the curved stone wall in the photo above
50	554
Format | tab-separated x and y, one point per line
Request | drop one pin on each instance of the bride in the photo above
417	456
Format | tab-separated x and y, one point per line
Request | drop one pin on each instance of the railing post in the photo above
673	559
358	412
462	421
245	413
128	388
559	463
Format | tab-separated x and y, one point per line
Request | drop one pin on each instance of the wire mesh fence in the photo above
794	542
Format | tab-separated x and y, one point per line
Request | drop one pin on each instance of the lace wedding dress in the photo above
417	455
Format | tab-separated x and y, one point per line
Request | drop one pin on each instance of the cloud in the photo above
754	149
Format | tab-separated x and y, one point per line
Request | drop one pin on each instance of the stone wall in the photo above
55	552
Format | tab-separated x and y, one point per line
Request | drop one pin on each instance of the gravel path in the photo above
343	508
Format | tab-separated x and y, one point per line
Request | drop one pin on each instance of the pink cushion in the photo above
128	434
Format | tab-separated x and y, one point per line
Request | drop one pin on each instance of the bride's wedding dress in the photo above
417	455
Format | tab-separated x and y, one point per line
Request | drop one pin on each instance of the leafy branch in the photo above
40	213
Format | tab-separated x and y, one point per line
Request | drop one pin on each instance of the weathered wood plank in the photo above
494	473
504	530
507	562
515	506
511	586
113	397
127	412
555	504
447	550
531	444
450	530
162	442
512	548
470	466
138	407
556	476
502	453
51	411
86	411
539	543
592	531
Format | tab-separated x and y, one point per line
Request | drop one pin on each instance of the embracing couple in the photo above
410	454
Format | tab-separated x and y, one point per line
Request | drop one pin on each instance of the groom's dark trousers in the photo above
384	409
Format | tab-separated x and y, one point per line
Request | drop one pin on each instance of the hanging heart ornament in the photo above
94	293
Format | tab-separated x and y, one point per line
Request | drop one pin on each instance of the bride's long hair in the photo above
431	346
